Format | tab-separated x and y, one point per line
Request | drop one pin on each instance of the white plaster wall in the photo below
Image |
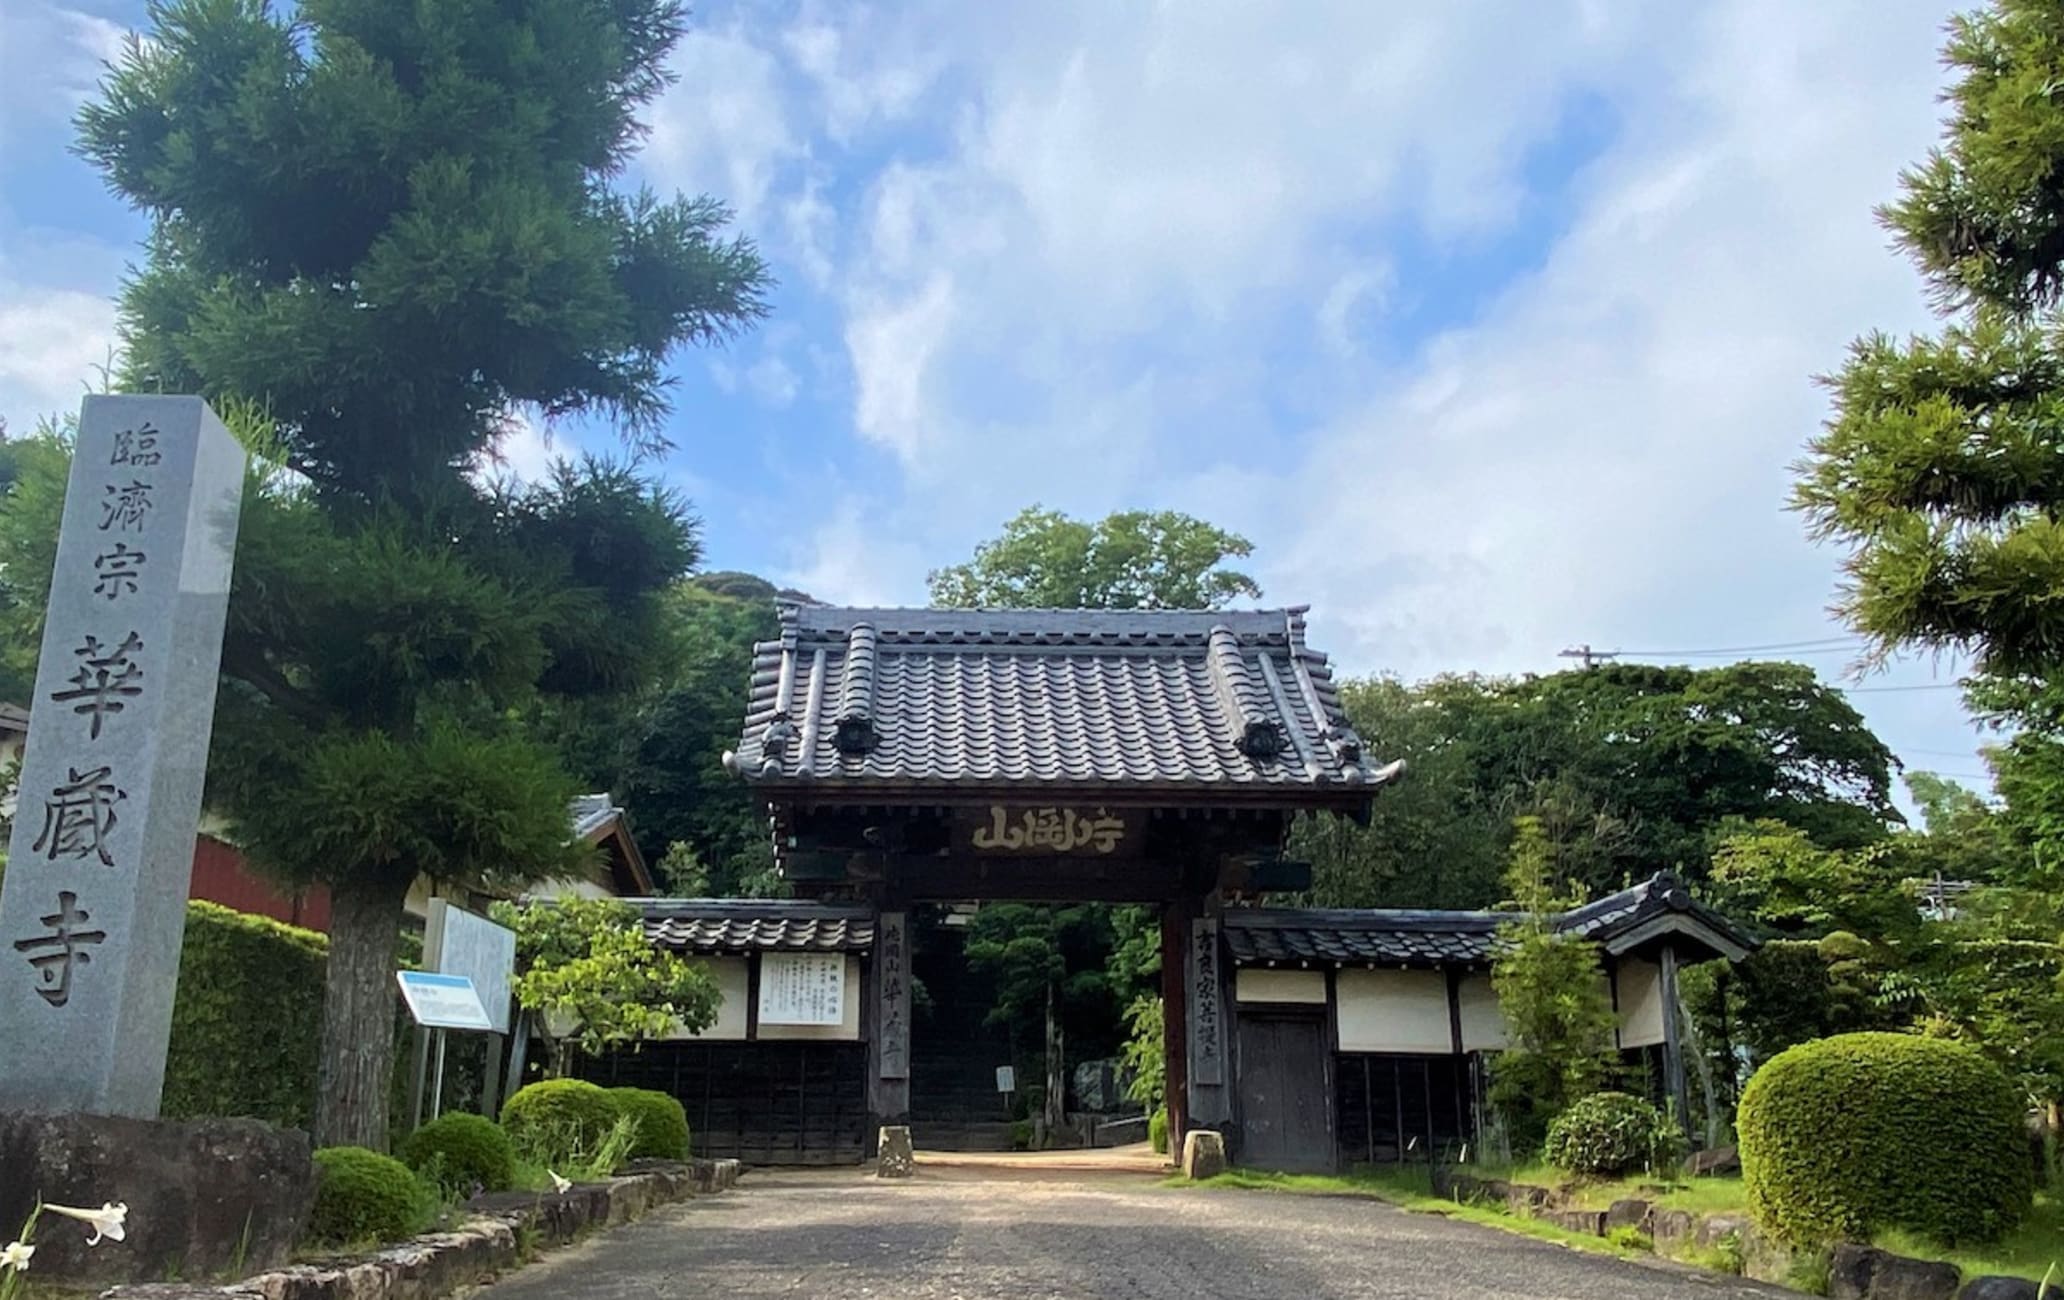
1307	987
1393	1011
729	974
846	1031
1641	1002
1483	1024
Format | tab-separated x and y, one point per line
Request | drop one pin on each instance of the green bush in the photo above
363	1196
662	1123
1609	1134
247	1020
462	1152
1157	1131
1847	1136
559	1119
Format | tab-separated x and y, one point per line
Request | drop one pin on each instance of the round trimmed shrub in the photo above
662	1123
1850	1135
462	1152
363	1196
556	1117
1609	1134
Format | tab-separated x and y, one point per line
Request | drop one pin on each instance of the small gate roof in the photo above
726	925
879	700
1634	920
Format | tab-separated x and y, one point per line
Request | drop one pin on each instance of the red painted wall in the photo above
220	875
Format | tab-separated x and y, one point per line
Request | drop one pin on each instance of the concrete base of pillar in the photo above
896	1159
1203	1154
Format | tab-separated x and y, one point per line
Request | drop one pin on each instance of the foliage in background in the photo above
1157	1131
1135	559
1849	1135
247	1019
395	229
1607	1134
1552	993
1627	768
365	1198
1145	1052
660	750
587	973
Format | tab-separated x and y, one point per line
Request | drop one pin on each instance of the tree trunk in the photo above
1056	1068
355	1077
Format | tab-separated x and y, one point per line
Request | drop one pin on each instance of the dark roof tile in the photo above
712	925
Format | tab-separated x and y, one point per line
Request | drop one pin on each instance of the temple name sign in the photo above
93	911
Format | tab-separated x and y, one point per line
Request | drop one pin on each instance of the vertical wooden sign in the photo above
1207	1029
892	951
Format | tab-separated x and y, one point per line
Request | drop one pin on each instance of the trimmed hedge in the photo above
1611	1133
1850	1135
247	1021
553	1118
462	1152
662	1123
363	1196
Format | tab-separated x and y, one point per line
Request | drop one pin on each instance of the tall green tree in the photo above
1941	469
396	227
1135	559
1627	768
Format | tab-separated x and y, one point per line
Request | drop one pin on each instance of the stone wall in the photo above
503	1227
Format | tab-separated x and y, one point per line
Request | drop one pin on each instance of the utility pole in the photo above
1587	656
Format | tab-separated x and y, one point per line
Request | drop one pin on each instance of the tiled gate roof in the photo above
900	698
713	925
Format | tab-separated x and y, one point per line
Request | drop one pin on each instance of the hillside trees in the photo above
395	228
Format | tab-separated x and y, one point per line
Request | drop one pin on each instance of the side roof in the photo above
1634	921
714	926
881	700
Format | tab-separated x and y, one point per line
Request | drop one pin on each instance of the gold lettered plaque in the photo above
1049	831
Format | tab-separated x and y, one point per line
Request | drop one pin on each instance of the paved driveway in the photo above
965	1235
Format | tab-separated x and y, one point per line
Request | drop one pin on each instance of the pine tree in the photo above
394	226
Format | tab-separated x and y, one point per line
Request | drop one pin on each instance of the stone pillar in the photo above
889	1081
101	855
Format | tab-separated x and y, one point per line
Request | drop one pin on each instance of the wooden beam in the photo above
1454	1010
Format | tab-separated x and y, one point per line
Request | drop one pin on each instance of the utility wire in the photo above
1831	642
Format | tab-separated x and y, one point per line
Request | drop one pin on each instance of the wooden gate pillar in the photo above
1175	964
1675	1084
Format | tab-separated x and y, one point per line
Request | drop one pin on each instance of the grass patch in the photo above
1408	1189
2037	1245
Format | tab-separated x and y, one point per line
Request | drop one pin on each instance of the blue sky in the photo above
1491	325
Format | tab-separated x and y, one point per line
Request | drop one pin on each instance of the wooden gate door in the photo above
1286	1116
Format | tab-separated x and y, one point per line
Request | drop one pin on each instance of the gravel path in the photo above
955	1235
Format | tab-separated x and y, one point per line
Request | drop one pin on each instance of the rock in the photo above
1203	1154
1589	1222
1867	1273
204	1196
1525	1198
896	1159
1715	1228
1630	1213
2003	1288
1672	1226
1718	1160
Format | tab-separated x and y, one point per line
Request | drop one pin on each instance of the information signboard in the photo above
802	988
440	1001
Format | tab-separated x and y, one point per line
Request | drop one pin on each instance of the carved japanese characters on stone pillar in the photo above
94	905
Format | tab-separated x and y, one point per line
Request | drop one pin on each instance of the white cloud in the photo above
53	344
891	349
723	128
51	61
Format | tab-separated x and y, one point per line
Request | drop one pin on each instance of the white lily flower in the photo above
15	1255
558	1184
106	1221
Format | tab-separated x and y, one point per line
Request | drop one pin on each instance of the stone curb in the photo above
492	1241
1857	1272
